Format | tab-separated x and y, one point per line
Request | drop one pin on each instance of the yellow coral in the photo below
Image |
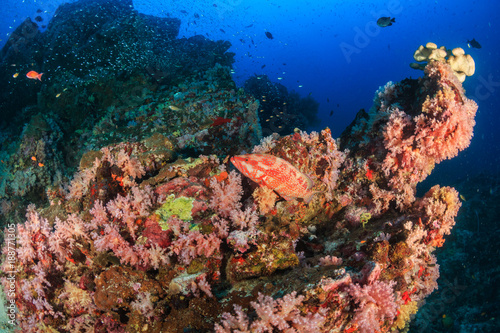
462	64
405	312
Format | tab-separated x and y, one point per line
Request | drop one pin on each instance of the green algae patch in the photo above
180	207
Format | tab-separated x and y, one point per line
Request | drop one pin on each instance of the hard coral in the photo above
462	64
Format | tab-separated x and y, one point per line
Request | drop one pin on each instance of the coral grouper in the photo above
277	174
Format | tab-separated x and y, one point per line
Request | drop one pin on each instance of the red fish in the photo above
220	121
277	174
34	75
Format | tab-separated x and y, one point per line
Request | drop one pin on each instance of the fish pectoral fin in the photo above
309	197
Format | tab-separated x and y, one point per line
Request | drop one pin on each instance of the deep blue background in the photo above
335	51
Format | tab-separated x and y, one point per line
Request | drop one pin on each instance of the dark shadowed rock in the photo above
88	47
19	55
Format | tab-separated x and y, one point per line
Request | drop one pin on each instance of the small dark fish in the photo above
473	43
310	94
284	64
385	21
249	26
327	100
269	35
263	66
331	113
38	10
215	5
196	16
222	30
38	19
242	40
183	11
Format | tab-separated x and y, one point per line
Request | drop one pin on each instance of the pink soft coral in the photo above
446	124
282	314
441	129
194	244
375	302
33	238
226	194
66	232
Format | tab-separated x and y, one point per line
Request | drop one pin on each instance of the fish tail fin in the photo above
39	76
393	20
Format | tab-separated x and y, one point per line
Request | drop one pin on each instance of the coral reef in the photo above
157	231
467	297
140	241
103	84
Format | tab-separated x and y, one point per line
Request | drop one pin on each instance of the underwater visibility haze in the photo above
249	166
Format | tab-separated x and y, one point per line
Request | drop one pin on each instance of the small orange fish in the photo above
33	158
369	174
277	174
34	75
41	165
